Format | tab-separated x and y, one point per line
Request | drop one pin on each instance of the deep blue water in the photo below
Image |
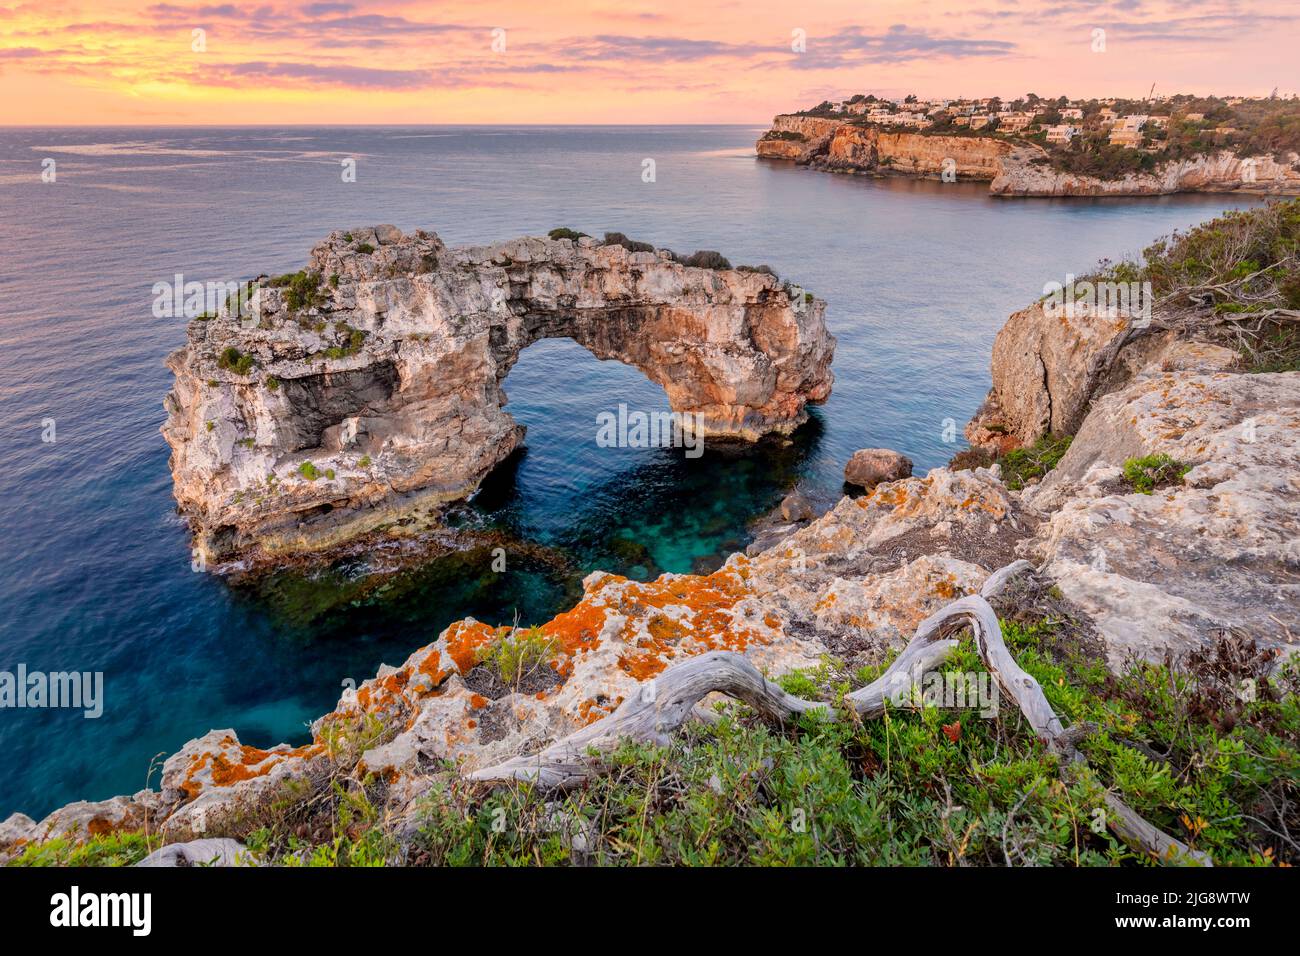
94	563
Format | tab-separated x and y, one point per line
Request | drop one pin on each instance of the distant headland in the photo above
1035	146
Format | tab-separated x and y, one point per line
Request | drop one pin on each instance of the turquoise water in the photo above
94	563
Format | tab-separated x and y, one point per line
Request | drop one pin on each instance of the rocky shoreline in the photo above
1140	572
1010	168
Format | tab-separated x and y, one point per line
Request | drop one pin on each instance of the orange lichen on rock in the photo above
697	614
430	667
590	710
477	701
578	629
225	772
465	639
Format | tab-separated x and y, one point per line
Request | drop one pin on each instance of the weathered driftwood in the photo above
669	701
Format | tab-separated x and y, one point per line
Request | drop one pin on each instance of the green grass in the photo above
113	849
1150	472
309	471
1020	466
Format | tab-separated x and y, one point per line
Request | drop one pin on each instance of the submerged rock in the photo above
795	507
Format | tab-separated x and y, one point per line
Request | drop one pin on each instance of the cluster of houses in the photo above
1123	130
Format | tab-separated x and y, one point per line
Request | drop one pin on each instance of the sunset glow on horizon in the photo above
303	62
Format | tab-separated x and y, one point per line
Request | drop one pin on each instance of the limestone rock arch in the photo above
368	390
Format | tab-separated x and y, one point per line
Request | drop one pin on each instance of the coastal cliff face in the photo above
371	391
1219	172
796	137
869	149
838	146
1011	169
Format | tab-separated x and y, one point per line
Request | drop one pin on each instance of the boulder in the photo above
870	466
795	507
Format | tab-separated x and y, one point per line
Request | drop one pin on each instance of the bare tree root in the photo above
667	702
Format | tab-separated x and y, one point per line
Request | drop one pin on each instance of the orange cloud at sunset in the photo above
276	62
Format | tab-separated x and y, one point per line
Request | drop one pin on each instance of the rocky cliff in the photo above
368	388
1223	171
1175	568
1010	168
797	137
871	149
838	146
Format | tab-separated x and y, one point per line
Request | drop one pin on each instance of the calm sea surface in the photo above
94	563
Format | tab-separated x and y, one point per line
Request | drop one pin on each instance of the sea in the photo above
95	563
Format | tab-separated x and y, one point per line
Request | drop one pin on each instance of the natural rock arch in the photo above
368	391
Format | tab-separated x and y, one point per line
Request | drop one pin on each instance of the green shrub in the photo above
364	462
518	653
231	359
272	383
565	233
1150	472
365	248
631	245
706	259
309	471
111	849
303	291
1022	466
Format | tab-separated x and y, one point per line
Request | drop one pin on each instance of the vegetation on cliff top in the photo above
1237	276
1205	751
1020	466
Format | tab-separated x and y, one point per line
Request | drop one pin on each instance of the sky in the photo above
560	61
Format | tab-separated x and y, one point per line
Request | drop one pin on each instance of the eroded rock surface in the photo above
375	395
1219	550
